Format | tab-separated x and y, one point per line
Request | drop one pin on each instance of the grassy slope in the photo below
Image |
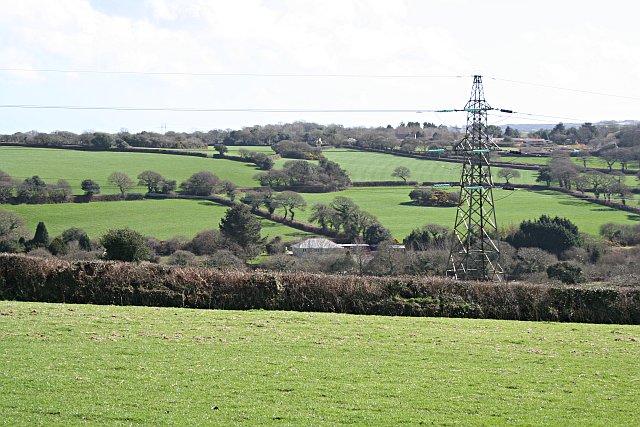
391	206
166	218
75	166
364	166
71	365
159	218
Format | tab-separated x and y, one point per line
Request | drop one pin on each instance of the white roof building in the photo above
315	246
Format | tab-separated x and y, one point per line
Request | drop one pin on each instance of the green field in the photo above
75	166
167	218
392	207
162	219
94	365
365	166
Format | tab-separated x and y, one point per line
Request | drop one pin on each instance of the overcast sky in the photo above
308	56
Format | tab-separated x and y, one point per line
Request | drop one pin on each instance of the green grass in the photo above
591	161
75	166
82	364
365	166
167	218
162	219
392	207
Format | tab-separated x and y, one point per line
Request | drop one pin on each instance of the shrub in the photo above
90	187
275	246
554	235
565	272
57	247
201	183
124	244
167	247
181	257
206	242
224	259
40	238
428	197
427	236
532	260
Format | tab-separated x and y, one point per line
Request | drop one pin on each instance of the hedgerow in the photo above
27	278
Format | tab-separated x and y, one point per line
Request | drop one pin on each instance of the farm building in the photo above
315	246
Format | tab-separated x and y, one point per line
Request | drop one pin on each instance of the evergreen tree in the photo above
554	235
41	238
240	226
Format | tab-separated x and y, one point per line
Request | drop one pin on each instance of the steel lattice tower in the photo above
474	255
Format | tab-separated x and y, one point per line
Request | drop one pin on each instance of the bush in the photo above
181	257
57	247
554	235
124	244
90	187
565	272
40	238
428	197
224	259
206	242
167	247
201	183
275	246
427	236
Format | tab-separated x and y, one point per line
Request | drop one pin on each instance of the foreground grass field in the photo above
75	166
74	364
162	219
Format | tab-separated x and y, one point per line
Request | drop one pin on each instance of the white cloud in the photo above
548	42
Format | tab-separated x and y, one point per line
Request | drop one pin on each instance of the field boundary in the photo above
299	225
26	278
421	156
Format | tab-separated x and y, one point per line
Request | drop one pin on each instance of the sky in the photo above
130	64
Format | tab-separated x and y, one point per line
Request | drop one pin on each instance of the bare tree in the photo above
122	181
508	174
401	172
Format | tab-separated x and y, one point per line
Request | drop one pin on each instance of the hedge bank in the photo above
27	278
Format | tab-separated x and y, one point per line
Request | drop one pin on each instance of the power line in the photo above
588	92
197	74
302	75
225	110
540	118
515	114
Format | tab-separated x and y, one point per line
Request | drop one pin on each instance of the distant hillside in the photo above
529	127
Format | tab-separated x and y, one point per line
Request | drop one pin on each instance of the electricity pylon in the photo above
474	255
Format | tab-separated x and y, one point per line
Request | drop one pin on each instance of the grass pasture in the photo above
393	208
76	166
82	364
367	166
166	218
162	219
